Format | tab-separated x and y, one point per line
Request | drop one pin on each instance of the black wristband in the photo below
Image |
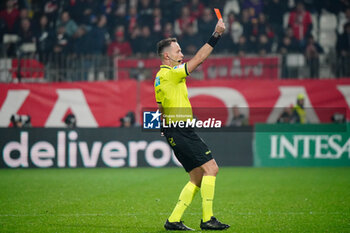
213	40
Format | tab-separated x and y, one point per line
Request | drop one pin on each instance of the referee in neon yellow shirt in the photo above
189	148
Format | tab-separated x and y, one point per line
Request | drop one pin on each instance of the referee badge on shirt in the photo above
157	81
151	120
179	66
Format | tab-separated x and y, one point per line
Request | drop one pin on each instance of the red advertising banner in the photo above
212	68
98	104
102	104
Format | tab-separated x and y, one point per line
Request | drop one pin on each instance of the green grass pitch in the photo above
140	200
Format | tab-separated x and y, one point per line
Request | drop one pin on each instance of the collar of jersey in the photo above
165	66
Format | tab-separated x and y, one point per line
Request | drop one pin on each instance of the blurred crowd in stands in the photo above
127	28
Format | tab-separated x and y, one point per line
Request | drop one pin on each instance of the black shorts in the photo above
188	147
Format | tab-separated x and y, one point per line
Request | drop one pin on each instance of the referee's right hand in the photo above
220	27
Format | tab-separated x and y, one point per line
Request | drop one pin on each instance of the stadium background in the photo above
76	76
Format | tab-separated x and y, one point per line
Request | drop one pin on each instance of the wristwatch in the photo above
216	34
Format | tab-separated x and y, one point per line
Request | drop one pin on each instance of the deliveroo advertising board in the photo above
281	145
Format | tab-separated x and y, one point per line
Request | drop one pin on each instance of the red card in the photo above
218	14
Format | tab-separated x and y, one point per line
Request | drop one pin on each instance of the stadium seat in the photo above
28	47
325	72
5	66
315	26
328	21
291	3
327	34
327	39
285	19
30	69
10	38
323	59
342	20
295	60
325	68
